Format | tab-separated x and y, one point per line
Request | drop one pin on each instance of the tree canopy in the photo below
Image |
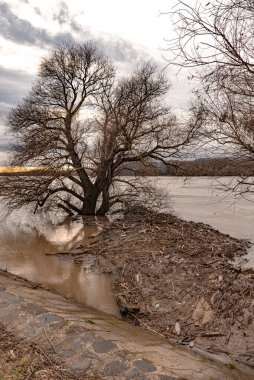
217	38
84	125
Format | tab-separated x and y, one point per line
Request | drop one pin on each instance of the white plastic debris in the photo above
177	328
138	278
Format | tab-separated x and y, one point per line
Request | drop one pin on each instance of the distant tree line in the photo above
198	167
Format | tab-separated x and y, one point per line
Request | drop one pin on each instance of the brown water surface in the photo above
24	241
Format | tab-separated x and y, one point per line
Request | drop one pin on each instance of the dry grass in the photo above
20	360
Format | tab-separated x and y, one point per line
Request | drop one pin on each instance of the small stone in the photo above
35	309
122	354
135	374
49	318
144	366
90	355
4	304
87	336
75	346
166	377
58	325
115	368
132	374
75	329
103	346
203	312
8	313
79	365
67	354
7	296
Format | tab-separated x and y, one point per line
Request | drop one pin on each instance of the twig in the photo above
123	270
227	290
49	340
44	353
149	328
30	374
230	329
173	288
58	253
211	334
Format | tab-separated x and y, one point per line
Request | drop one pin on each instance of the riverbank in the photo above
79	343
174	277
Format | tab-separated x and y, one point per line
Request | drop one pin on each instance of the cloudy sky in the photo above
126	30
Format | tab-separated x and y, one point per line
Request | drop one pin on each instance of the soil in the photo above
20	360
175	278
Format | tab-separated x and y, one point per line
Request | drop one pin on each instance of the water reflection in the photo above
25	240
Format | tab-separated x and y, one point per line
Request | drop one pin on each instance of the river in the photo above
204	199
25	238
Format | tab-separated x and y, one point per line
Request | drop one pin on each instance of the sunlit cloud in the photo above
23	32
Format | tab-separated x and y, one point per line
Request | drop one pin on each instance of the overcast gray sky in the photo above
126	30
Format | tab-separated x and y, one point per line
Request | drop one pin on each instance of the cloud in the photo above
23	32
75	27
5	139
18	30
4	148
3	158
5	144
14	84
63	14
120	50
37	11
64	17
4	110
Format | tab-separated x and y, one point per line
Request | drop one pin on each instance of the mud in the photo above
175	278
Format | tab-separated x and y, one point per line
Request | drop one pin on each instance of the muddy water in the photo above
24	242
204	199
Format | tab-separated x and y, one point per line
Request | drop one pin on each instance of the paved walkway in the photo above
87	339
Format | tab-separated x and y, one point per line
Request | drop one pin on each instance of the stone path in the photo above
87	339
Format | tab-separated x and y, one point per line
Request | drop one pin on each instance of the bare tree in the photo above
84	126
217	38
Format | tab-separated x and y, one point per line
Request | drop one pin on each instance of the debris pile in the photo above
175	278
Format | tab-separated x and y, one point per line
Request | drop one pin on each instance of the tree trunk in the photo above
104	207
89	204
